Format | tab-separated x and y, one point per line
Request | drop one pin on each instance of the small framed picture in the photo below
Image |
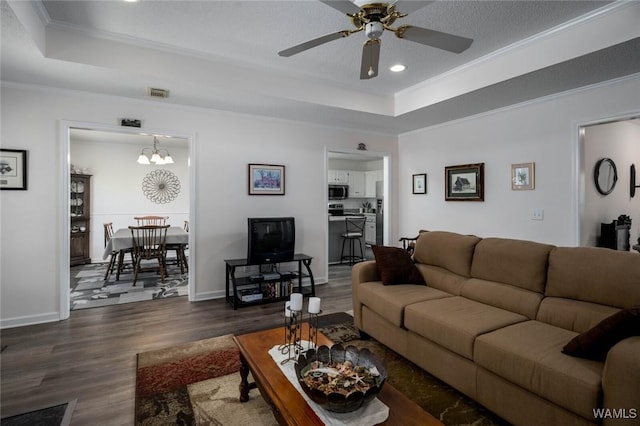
464	183
266	179
420	183
13	169
523	176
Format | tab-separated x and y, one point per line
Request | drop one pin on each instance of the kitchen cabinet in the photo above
370	179
356	184
338	176
370	229
80	207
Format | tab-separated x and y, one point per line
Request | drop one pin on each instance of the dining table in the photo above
122	239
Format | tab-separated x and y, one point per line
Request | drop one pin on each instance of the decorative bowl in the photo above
340	379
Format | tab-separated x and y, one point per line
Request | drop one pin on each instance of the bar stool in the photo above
354	231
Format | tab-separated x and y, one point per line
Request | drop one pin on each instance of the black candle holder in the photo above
292	336
313	330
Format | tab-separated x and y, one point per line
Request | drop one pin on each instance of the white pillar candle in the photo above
296	301
287	311
314	305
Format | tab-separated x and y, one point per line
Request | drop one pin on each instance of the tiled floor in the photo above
90	290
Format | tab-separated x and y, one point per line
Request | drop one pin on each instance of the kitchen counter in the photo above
342	218
346	215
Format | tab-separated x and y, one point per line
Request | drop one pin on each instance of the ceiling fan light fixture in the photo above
373	29
373	18
398	68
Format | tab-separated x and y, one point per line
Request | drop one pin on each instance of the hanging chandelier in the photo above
155	156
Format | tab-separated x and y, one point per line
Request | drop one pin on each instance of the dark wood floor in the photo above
92	355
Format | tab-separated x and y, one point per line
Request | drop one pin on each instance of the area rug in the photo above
56	415
90	290
197	384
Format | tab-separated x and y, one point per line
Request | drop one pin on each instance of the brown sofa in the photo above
494	316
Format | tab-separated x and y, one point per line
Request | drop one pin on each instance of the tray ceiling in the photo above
223	55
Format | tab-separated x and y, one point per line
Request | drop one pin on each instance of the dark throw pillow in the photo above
395	266
596	342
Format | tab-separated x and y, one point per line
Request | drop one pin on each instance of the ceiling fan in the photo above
373	19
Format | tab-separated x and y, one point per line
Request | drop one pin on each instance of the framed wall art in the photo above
266	179
13	169
523	176
420	183
464	183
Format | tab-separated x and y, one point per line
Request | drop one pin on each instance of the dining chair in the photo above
151	220
116	255
149	244
181	257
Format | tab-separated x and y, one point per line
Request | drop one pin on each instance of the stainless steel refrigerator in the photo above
379	212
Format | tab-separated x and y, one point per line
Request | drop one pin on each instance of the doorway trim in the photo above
64	137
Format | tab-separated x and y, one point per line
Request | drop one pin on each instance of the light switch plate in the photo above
537	214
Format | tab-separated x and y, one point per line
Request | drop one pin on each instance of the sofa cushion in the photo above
596	342
505	296
529	355
395	266
515	262
597	275
447	250
574	315
455	322
442	278
389	301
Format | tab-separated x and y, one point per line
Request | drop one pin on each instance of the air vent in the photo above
158	93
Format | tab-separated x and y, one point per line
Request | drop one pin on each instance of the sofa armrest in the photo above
361	272
621	381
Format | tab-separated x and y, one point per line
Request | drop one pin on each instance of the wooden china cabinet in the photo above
80	208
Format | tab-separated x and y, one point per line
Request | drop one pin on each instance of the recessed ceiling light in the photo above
398	68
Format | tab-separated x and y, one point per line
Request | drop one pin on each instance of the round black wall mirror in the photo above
605	176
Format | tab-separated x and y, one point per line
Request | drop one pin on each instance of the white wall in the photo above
619	141
224	144
545	132
116	186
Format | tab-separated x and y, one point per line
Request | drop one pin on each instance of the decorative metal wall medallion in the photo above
161	186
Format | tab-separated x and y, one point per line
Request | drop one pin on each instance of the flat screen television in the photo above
271	239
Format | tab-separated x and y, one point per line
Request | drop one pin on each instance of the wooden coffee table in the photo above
288	405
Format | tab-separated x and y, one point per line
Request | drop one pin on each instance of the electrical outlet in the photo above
537	214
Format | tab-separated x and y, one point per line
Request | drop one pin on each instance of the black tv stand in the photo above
267	287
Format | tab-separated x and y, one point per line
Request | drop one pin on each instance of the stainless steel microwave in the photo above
338	192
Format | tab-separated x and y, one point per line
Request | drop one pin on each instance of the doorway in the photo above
108	154
366	175
616	139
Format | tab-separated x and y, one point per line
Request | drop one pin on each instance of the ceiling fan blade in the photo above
370	59
410	6
313	43
344	6
445	41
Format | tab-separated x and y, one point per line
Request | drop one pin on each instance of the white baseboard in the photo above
29	320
